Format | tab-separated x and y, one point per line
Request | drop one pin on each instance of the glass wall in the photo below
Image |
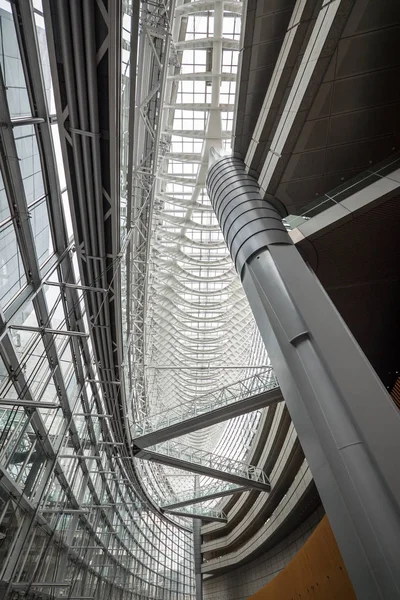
72	523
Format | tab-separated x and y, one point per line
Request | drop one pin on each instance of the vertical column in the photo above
197	558
217	55
197	547
345	420
213	136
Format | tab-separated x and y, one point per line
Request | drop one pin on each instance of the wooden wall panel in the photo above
395	393
317	571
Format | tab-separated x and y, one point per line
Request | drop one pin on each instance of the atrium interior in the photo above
199	299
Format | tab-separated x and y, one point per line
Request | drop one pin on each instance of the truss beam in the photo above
206	106
218	490
207	5
207	75
245	396
198	134
199	512
178	455
240	407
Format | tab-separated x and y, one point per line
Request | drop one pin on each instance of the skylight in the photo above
200	333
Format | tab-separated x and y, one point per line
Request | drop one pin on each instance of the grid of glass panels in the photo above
72	524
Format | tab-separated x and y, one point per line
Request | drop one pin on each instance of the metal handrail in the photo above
251	386
219	487
198	511
203	458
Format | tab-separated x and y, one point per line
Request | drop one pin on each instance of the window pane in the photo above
31	169
12	275
11	65
3	372
54	304
4	208
21	338
67	213
41	231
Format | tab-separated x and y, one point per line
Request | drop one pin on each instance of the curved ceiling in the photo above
200	334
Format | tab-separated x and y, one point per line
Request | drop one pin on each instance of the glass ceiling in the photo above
200	333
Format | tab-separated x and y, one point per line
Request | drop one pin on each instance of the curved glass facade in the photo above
74	520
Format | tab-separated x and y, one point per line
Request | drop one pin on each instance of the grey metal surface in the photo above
346	422
347	116
246	221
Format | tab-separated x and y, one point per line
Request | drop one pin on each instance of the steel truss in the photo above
178	455
247	395
155	56
90	143
200	512
217	489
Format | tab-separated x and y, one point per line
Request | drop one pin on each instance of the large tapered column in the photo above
346	422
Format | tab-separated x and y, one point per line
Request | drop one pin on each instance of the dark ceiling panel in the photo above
266	24
368	52
354	93
297	194
354	118
350	114
358	264
372	122
369	15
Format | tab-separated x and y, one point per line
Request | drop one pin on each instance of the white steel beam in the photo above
207	5
207	515
206	106
207	75
203	43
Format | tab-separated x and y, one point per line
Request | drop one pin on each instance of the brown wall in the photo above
317	571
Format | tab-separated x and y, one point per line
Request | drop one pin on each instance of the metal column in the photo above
346	422
197	558
197	548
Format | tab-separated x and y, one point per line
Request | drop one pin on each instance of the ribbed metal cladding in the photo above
248	222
